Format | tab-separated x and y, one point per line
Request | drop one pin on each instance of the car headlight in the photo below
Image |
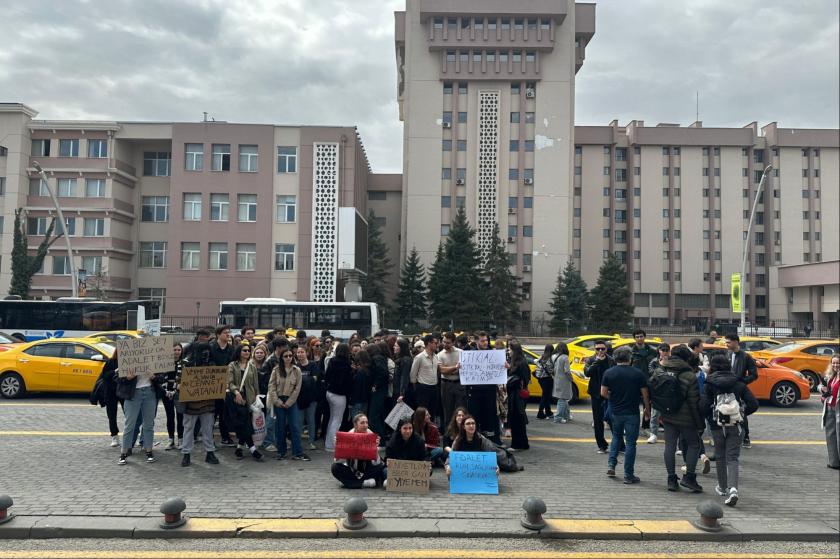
576	360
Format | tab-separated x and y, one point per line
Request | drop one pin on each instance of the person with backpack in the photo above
563	383
726	403
545	376
594	369
675	393
742	366
664	350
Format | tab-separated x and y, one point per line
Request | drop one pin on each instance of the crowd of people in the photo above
327	385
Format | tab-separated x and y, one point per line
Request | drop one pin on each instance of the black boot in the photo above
185	460
689	481
673	483
211	458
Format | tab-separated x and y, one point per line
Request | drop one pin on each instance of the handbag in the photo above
524	393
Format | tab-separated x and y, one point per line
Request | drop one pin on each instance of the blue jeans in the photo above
308	414
626	427
435	454
290	415
563	410
145	403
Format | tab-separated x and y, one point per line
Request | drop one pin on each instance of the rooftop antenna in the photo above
697	106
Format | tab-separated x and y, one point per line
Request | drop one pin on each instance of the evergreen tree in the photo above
411	297
611	310
378	263
503	292
570	301
25	266
436	294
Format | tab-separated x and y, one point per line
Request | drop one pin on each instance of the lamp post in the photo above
73	277
747	246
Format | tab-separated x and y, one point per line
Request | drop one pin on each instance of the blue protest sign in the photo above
473	472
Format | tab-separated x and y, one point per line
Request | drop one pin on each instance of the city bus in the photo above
341	319
76	318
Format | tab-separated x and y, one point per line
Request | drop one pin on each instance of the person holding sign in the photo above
470	440
405	444
243	389
202	411
139	393
481	399
355	474
283	391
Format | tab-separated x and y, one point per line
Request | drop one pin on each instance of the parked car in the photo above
809	357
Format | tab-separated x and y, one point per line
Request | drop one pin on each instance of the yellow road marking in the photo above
586	440
42	405
391	554
784	413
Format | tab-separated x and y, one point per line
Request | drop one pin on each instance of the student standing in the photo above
563	383
545	377
452	393
243	384
595	368
221	354
518	376
339	386
830	396
201	411
283	390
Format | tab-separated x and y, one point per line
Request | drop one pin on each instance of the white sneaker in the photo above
178	444
720	491
369	483
652	439
569	418
271	448
732	499
684	469
679	453
384	484
312	446
170	445
115	442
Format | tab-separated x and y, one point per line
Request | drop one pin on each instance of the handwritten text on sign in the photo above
483	367
472	472
408	476
145	356
203	383
401	410
356	446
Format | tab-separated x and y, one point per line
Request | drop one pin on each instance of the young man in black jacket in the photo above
594	369
221	355
742	366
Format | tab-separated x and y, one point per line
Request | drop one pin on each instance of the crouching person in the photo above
355	474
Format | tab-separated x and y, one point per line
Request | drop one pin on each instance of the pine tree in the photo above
411	297
503	292
378	263
611	310
25	266
438	279
570	301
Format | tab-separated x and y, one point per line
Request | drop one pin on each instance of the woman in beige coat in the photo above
243	384
283	391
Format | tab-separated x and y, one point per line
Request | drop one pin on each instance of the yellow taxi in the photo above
53	365
809	357
581	348
115	335
578	386
753	343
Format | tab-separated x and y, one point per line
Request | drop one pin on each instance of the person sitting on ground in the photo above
405	444
355	474
470	440
429	433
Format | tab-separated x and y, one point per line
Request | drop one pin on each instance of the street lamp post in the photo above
747	246
73	277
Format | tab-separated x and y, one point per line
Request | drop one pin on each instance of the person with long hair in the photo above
563	383
283	391
545	376
518	376
453	429
259	358
470	440
830	396
402	371
421	420
355	474
308	397
172	416
405	443
339	387
361	383
244	385
109	379
139	393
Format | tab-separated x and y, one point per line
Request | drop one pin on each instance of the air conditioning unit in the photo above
778	242
459	182
447	125
511	210
526	296
526	267
528	181
511	239
530	93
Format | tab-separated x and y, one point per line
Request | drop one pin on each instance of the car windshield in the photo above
105	348
784	348
4	339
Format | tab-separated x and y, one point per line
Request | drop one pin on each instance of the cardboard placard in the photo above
409	476
472	473
356	446
203	383
401	410
145	356
483	367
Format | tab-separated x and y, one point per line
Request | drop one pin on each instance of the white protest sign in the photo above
145	356
483	367
400	410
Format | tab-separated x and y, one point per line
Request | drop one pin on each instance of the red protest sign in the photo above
356	446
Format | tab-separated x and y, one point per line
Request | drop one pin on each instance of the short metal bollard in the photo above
710	513
5	504
172	509
534	509
355	509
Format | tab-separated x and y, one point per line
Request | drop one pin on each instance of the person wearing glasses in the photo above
470	440
283	391
244	385
594	369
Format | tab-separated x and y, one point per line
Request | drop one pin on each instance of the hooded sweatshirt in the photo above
723	382
689	413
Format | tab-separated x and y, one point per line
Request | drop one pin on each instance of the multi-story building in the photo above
188	213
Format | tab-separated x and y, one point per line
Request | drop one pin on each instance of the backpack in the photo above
666	393
727	410
544	369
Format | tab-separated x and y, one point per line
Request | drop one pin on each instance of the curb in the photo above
53	527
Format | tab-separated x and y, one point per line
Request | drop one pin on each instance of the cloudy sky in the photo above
332	62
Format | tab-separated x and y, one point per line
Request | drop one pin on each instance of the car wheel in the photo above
12	386
784	394
813	379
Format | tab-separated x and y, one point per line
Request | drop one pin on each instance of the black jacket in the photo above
221	357
595	370
339	377
643	356
308	385
402	374
689	413
744	367
723	382
399	449
379	374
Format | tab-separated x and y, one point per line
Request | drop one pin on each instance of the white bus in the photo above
341	319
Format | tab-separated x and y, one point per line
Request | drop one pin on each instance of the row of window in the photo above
61	265
758	154
478	23
158	163
515	117
461	145
285	207
92	226
490	56
515	88
154	255
461	174
69	188
96	149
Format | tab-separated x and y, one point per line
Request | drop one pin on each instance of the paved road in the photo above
55	459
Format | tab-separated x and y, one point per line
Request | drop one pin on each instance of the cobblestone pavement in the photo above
48	469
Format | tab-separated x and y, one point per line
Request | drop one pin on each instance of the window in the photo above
665	212
190	256
621	236
717	255
66	188
218	253
621	175
221	157
286	159
676	171
620	193
219	207
438	23
447	145
68	148
806	236
705	193
664	171
462	88
514	145
92	264
61	266
2	186
286	206
705	171
36	226
805	193
677	212
248	158
606	171
153	294
247	207
95	188
606	212
444	229
462	145
806	257
666	276
155	209
97	149
246	257
514	117
40	148
528	202
447	88
153	254
621	154
94	227
578	170
513	202
816	173
817	236
578	150
156	163
445	174
530	117
576	233
462	117
517	56
527	231
446	201
69	229
804	173
513	174
376	195
529	145
192	206
621	216
460	201
758	156
194	157
447	117
576	212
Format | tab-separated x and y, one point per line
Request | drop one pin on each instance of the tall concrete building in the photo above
486	94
